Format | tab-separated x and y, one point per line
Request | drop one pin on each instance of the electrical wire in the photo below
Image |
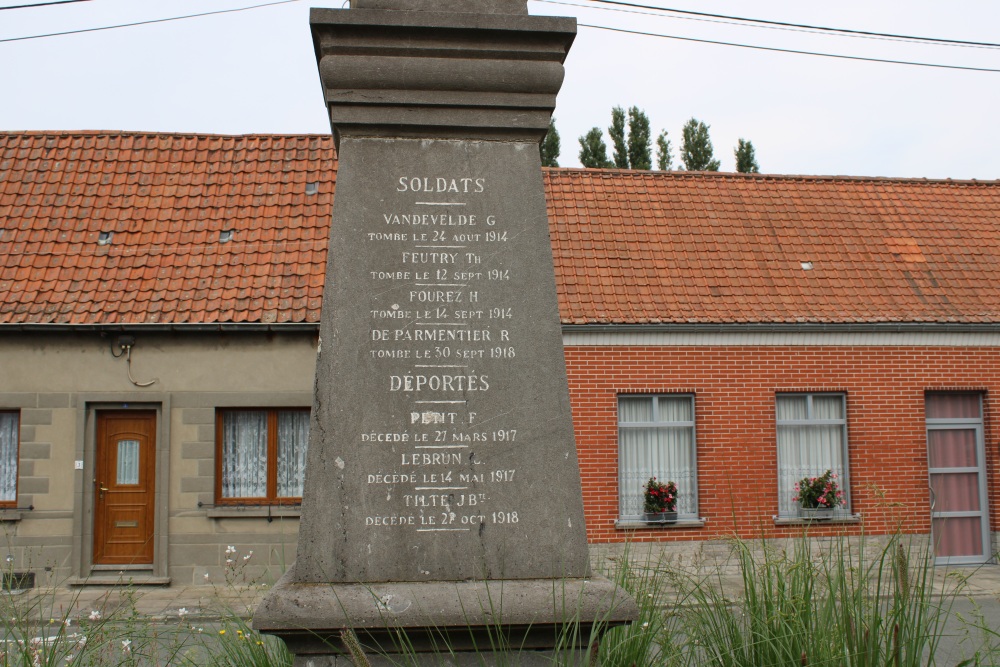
803	30
129	25
798	25
42	4
795	51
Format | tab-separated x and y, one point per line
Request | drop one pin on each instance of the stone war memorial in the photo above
442	517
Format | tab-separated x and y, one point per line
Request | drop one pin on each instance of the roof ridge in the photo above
142	133
733	175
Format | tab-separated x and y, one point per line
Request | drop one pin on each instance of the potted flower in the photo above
818	496
659	502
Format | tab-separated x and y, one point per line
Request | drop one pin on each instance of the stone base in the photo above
527	619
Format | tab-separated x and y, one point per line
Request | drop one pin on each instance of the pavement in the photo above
981	585
972	629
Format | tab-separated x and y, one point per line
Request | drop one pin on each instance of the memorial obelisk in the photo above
442	495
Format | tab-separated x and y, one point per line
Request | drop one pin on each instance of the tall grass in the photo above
837	601
839	605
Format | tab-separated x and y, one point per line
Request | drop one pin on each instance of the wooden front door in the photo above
125	471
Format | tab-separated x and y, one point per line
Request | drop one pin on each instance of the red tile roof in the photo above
630	247
649	247
165	198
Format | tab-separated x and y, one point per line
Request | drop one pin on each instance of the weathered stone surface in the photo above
443	74
464	616
442	493
477	6
443	445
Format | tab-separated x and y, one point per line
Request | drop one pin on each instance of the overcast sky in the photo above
253	71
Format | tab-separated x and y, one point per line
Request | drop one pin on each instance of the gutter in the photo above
250	327
756	328
788	327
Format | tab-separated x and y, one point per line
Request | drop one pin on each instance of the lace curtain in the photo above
293	439
809	449
8	456
244	454
656	439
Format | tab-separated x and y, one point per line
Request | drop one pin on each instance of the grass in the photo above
837	601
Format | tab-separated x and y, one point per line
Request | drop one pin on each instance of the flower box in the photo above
660	517
816	513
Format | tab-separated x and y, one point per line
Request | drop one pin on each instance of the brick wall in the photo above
735	387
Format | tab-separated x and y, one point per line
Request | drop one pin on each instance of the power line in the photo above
799	25
42	4
129	25
803	53
807	31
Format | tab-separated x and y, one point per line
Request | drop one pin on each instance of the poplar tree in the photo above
696	147
639	156
746	158
617	134
593	150
549	148
664	158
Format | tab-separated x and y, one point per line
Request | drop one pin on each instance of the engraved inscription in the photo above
440	325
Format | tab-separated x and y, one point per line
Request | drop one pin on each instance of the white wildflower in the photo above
182	612
127	646
95	615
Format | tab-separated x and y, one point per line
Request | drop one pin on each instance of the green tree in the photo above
617	134
593	150
638	140
696	148
664	158
746	158
549	148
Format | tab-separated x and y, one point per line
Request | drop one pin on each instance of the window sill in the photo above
253	511
639	524
10	515
798	521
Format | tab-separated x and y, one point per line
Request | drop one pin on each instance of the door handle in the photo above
933	496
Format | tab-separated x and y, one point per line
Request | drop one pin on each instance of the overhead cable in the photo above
129	25
42	4
778	50
847	31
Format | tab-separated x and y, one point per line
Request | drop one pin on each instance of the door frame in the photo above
84	569
982	471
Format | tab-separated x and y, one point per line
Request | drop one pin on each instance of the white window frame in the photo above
787	507
630	509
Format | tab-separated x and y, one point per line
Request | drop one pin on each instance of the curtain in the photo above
661	445
953	455
952	406
808	450
244	454
9	423
128	462
293	440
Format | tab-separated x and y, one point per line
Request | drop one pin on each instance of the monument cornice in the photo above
442	75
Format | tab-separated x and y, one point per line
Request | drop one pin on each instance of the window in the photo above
261	455
656	439
9	427
812	438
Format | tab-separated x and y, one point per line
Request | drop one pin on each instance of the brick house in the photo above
159	309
